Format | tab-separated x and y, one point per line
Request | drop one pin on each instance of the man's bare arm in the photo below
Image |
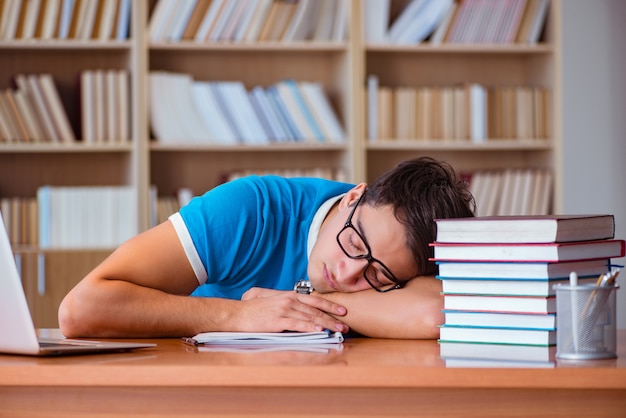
413	312
142	290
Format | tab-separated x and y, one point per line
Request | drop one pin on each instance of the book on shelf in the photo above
417	21
493	303
266	338
104	106
496	352
85	216
468	112
225	112
540	337
526	229
529	195
20	218
249	21
550	252
500	319
502	22
497	286
456	22
528	270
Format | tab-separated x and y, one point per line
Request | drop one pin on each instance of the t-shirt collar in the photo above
318	219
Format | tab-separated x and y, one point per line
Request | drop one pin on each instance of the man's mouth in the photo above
327	276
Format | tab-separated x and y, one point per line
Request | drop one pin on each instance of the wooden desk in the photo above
369	377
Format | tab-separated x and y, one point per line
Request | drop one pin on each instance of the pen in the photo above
573	282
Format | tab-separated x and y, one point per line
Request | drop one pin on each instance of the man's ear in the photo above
352	195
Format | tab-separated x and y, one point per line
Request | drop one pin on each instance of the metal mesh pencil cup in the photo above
585	322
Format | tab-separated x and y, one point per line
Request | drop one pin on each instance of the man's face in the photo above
331	270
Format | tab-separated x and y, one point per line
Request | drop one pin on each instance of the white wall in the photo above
594	115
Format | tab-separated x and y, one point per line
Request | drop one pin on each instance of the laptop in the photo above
17	332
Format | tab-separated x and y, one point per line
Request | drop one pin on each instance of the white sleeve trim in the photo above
190	249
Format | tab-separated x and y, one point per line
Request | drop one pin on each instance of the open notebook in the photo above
17	332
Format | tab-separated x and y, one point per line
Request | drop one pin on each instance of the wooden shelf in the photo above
341	68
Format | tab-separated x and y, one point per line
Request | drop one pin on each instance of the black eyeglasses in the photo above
353	244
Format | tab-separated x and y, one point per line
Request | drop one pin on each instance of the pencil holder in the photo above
585	322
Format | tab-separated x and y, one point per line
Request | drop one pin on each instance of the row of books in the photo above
224	112
33	112
511	191
457	22
81	217
72	217
328	173
104	103
469	112
65	19
497	278
249	21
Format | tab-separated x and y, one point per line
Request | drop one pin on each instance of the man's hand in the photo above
276	310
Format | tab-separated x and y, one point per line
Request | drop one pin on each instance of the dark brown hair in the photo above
422	190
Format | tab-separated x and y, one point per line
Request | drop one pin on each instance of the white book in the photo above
492	201
170	20
182	13
299	20
185	114
424	22
123	108
375	21
6	123
51	12
444	25
162	125
24	84
264	107
538	22
243	114
314	93
340	21
28	113
107	17
324	28
59	115
372	107
222	20
266	338
112	104
234	20
10	21
30	18
99	106
260	14
478	112
405	18
281	110
274	109
211	114
159	19
122	26
86	26
45	114
208	20
295	110
246	20
87	106
65	20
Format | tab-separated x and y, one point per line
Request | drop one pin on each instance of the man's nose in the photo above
351	272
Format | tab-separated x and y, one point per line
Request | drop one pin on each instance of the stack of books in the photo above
498	275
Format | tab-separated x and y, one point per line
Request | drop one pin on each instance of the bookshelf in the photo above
340	66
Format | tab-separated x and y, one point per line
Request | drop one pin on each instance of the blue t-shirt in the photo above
252	232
